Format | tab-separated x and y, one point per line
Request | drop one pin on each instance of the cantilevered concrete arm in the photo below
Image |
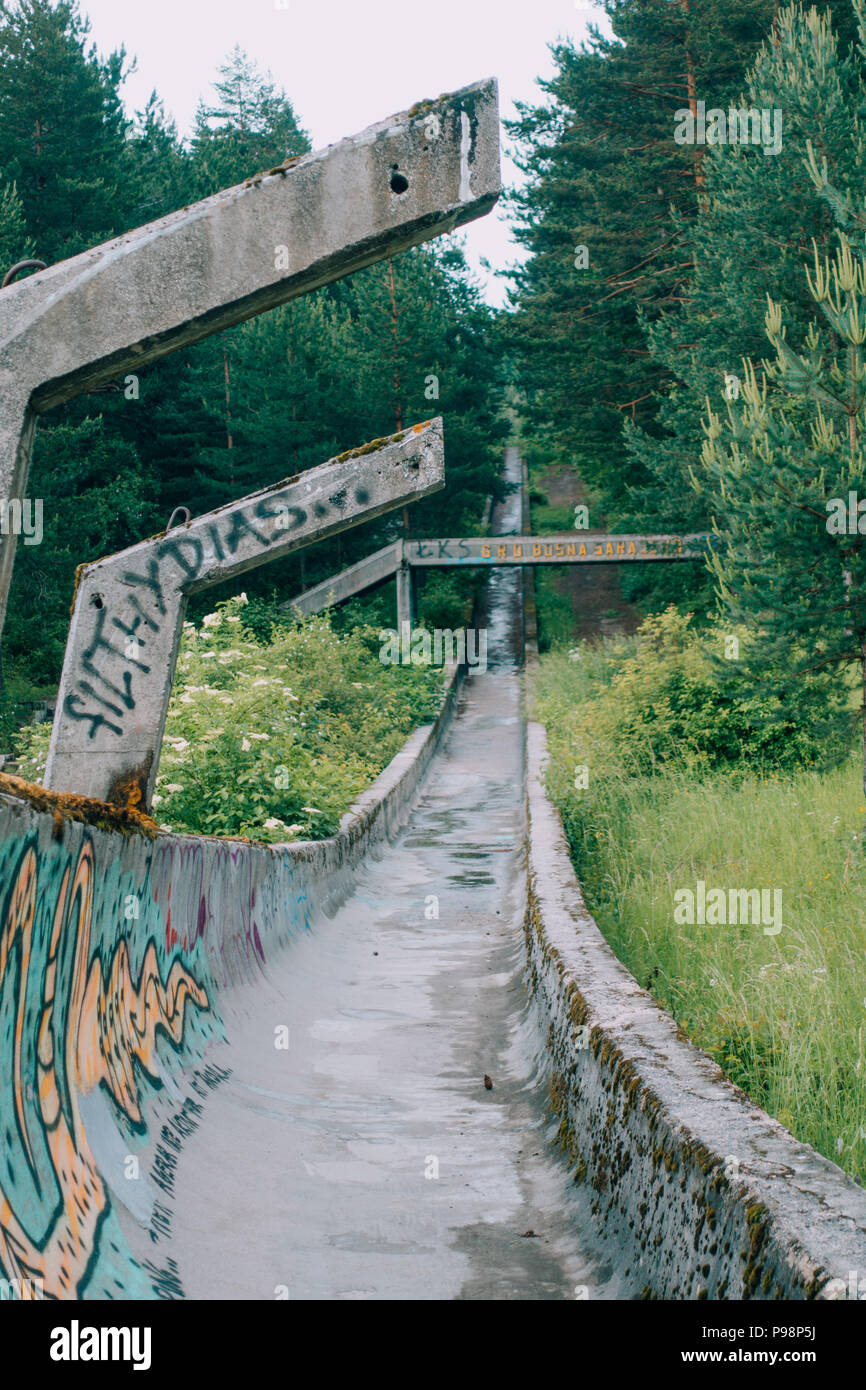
274	237
128	611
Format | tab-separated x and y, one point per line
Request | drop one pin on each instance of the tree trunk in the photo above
229	440
692	93
398	403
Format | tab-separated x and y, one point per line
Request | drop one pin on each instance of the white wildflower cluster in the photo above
256	728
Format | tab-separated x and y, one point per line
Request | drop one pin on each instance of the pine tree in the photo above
424	345
759	215
251	127
783	474
163	178
62	127
602	214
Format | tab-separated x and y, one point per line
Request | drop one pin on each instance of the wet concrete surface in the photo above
368	1160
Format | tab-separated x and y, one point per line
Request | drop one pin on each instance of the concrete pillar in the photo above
405	597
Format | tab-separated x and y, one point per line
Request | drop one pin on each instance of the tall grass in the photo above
784	1015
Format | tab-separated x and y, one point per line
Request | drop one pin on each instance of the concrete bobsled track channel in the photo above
368	1160
258	1098
256	1072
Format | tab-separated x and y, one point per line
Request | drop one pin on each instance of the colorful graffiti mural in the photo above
76	1014
118	948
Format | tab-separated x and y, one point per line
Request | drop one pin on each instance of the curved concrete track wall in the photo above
712	1197
116	950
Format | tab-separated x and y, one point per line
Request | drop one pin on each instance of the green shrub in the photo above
667	697
682	783
274	739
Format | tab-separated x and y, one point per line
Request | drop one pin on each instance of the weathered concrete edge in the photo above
716	1199
384	807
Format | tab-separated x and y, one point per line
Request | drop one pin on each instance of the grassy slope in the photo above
785	1015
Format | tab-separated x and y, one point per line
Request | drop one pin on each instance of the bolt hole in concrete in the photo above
399	183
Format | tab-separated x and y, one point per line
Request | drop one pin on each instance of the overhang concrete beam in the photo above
128	611
577	547
124	304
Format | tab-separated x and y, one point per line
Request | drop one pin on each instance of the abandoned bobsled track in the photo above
239	1071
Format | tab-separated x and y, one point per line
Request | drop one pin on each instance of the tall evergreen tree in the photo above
423	346
163	176
758	217
252	126
62	126
601	215
784	476
604	215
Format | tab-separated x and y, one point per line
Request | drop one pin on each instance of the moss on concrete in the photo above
64	806
375	445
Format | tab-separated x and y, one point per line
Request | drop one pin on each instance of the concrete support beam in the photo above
124	304
405	597
128	611
350	581
478	551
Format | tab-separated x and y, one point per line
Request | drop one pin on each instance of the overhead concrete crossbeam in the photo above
576	548
484	550
350	581
128	611
281	234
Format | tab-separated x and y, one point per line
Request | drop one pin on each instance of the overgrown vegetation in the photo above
273	734
687	782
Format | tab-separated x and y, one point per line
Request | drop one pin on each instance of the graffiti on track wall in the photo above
83	1008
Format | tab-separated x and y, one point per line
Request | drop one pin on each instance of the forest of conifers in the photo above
643	287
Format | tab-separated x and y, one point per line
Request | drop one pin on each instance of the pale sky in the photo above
345	64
